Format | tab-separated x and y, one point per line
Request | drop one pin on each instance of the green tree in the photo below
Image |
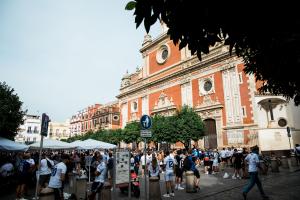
189	125
266	36
131	133
11	113
164	129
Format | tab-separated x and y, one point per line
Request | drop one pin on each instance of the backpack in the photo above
110	163
49	164
187	164
24	167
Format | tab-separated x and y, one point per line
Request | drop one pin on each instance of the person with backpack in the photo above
189	164
23	174
178	170
110	167
45	171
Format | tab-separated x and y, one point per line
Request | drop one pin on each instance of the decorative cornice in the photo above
164	103
241	126
154	42
193	65
208	104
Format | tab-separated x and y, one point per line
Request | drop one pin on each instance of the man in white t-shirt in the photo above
253	162
100	174
58	177
45	171
169	174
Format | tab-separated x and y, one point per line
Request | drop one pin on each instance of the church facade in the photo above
217	88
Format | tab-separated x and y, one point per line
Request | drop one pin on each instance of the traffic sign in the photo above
44	125
146	133
146	122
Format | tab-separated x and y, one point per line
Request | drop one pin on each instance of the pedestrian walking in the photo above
253	162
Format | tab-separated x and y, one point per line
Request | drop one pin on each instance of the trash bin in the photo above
274	165
46	194
190	186
71	189
294	162
155	187
106	191
80	185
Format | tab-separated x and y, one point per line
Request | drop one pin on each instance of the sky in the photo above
61	56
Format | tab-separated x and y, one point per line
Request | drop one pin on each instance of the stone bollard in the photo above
80	185
190	186
106	191
71	185
46	194
154	188
294	162
284	162
88	188
274	165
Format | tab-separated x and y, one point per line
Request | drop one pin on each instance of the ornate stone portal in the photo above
212	109
164	106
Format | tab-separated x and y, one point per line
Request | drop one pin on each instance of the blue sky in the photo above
63	55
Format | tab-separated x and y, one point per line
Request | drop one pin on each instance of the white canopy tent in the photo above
8	145
95	144
52	144
76	143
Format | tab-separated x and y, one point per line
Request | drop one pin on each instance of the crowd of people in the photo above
22	168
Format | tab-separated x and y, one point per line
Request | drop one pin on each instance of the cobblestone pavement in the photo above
284	185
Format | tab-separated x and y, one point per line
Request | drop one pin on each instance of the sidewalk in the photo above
216	187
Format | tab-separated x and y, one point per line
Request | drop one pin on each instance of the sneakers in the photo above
180	188
172	194
233	177
166	195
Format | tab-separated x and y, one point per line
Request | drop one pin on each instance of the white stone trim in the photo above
159	59
201	83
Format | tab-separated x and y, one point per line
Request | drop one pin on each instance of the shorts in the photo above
96	186
44	179
178	172
143	166
169	176
207	163
224	159
196	173
237	165
110	173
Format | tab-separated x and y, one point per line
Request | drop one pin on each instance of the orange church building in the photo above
217	88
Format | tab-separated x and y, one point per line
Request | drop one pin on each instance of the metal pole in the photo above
39	168
290	145
145	171
114	174
129	182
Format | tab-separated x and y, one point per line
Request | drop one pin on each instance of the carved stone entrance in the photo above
210	138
